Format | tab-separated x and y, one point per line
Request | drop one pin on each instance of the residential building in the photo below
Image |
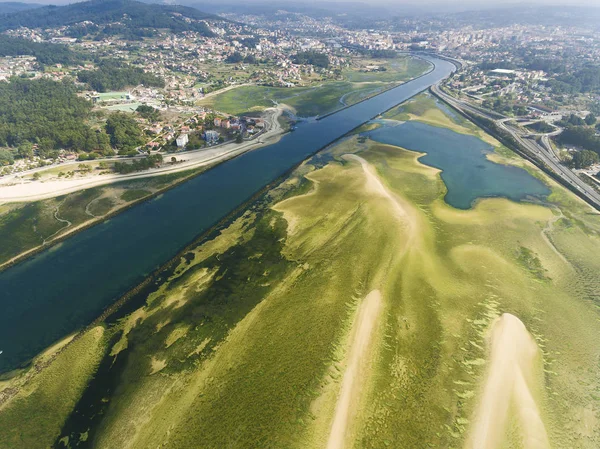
182	140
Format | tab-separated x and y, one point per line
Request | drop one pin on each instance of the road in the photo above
13	188
543	154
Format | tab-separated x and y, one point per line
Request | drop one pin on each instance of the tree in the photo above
311	57
148	162
36	176
114	76
148	112
46	112
124	132
585	158
234	58
25	150
239	138
173	159
6	157
590	119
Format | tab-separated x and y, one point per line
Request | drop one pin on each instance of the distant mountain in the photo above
126	14
526	15
10	7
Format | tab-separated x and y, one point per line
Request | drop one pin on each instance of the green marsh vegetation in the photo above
244	340
320	99
27	226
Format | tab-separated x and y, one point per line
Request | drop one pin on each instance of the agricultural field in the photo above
348	307
323	98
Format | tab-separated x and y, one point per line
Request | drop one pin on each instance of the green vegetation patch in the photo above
49	397
134	194
243	341
531	262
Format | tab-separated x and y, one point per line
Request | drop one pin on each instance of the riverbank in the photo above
14	189
196	163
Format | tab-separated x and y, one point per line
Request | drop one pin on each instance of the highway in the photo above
542	154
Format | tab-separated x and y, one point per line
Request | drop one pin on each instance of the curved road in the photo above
542	153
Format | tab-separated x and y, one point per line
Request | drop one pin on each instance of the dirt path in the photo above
364	326
507	389
67	223
546	238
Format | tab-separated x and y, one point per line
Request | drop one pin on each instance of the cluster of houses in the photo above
226	125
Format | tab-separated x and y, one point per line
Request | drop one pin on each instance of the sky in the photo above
448	4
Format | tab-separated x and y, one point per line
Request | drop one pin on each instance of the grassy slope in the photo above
34	417
318	100
245	344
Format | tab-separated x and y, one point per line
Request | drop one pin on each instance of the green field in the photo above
403	69
129	107
321	99
105	96
248	339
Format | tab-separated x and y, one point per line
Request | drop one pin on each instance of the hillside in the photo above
10	7
122	14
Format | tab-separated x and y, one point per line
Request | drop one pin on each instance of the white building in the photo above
182	140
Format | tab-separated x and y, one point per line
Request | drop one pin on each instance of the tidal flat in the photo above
351	296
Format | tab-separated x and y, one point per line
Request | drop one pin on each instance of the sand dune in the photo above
402	210
363	331
375	185
507	389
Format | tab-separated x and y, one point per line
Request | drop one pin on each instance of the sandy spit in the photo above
507	389
353	376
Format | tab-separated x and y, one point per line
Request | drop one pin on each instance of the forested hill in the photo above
46	53
9	7
129	13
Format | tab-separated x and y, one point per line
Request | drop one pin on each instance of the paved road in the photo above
13	188
542	153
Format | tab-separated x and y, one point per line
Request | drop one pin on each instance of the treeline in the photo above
113	76
46	113
148	112
102	12
582	81
311	57
237	57
124	132
581	136
383	54
146	163
45	53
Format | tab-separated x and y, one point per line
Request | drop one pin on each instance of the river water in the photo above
66	287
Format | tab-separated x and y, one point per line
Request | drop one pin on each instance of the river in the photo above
66	287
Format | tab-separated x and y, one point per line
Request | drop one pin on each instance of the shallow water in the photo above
466	171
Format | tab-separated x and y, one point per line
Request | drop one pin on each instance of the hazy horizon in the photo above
385	3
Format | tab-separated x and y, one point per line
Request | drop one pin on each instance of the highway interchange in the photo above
542	154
